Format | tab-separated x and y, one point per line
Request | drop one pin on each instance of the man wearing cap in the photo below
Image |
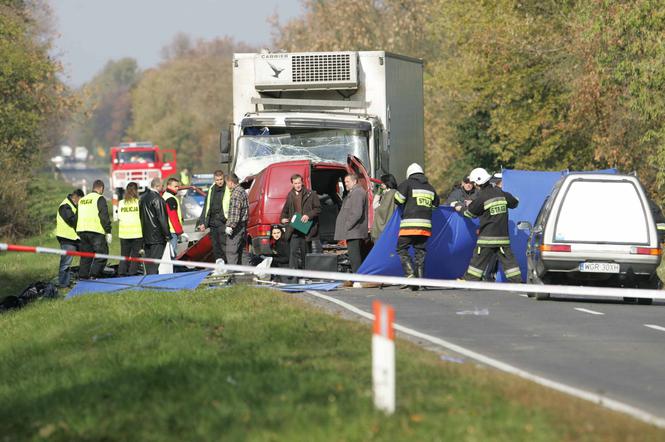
462	194
65	232
417	197
491	205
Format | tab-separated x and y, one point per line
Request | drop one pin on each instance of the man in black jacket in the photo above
491	205
418	198
65	231
93	226
462	194
154	224
305	202
214	214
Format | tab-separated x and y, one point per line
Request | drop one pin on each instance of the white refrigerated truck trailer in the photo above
323	106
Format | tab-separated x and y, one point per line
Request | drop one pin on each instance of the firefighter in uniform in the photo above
417	197
491	205
174	213
94	228
65	231
129	230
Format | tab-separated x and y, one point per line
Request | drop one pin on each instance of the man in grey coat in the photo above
351	224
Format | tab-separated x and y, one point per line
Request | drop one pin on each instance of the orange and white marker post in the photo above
383	357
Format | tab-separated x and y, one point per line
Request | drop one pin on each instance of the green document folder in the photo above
300	226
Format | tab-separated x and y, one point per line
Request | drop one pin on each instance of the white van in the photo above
595	229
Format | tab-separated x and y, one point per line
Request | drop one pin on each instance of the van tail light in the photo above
645	251
554	248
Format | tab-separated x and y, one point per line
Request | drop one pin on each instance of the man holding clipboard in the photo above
301	216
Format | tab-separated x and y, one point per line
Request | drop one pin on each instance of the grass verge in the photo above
253	364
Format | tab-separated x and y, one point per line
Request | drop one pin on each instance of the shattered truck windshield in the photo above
256	152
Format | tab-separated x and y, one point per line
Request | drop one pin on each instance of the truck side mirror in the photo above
225	146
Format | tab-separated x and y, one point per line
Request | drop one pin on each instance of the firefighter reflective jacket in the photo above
492	205
418	198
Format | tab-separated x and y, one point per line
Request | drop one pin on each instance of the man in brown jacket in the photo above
305	202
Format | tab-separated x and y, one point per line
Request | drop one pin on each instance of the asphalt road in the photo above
84	177
609	348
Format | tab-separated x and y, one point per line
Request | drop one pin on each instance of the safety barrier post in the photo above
383	357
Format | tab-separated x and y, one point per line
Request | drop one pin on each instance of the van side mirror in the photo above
524	225
225	146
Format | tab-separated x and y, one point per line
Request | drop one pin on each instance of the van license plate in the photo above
599	267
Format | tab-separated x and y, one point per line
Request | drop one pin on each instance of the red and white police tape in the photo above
596	292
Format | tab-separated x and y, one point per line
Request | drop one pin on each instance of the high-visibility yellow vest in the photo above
168	195
184	179
88	214
129	221
226	200
62	229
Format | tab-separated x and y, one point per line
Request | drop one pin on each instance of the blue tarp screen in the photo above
448	250
171	281
454	236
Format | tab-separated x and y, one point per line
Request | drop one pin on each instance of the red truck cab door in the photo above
356	166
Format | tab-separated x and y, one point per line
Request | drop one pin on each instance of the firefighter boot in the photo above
420	273
408	269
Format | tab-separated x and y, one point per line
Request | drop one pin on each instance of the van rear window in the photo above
602	212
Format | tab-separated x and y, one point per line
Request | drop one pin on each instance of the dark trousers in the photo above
418	242
297	251
234	245
483	255
129	247
155	251
218	238
354	247
92	243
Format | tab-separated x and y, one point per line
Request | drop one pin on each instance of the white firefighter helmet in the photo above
413	168
479	176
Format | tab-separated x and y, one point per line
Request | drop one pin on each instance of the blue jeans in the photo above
174	244
64	275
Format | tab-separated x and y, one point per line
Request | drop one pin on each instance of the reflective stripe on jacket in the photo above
492	205
418	198
168	195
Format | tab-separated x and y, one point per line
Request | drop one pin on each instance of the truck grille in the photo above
321	67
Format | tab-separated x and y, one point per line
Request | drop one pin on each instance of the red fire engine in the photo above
139	162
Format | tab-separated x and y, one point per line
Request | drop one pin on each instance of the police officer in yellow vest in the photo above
173	212
94	228
65	231
214	214
129	230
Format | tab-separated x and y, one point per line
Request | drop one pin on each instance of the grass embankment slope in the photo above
252	364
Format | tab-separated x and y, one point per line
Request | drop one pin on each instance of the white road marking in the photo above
523	295
597	399
585	310
655	327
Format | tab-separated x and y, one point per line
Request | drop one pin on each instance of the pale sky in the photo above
91	32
